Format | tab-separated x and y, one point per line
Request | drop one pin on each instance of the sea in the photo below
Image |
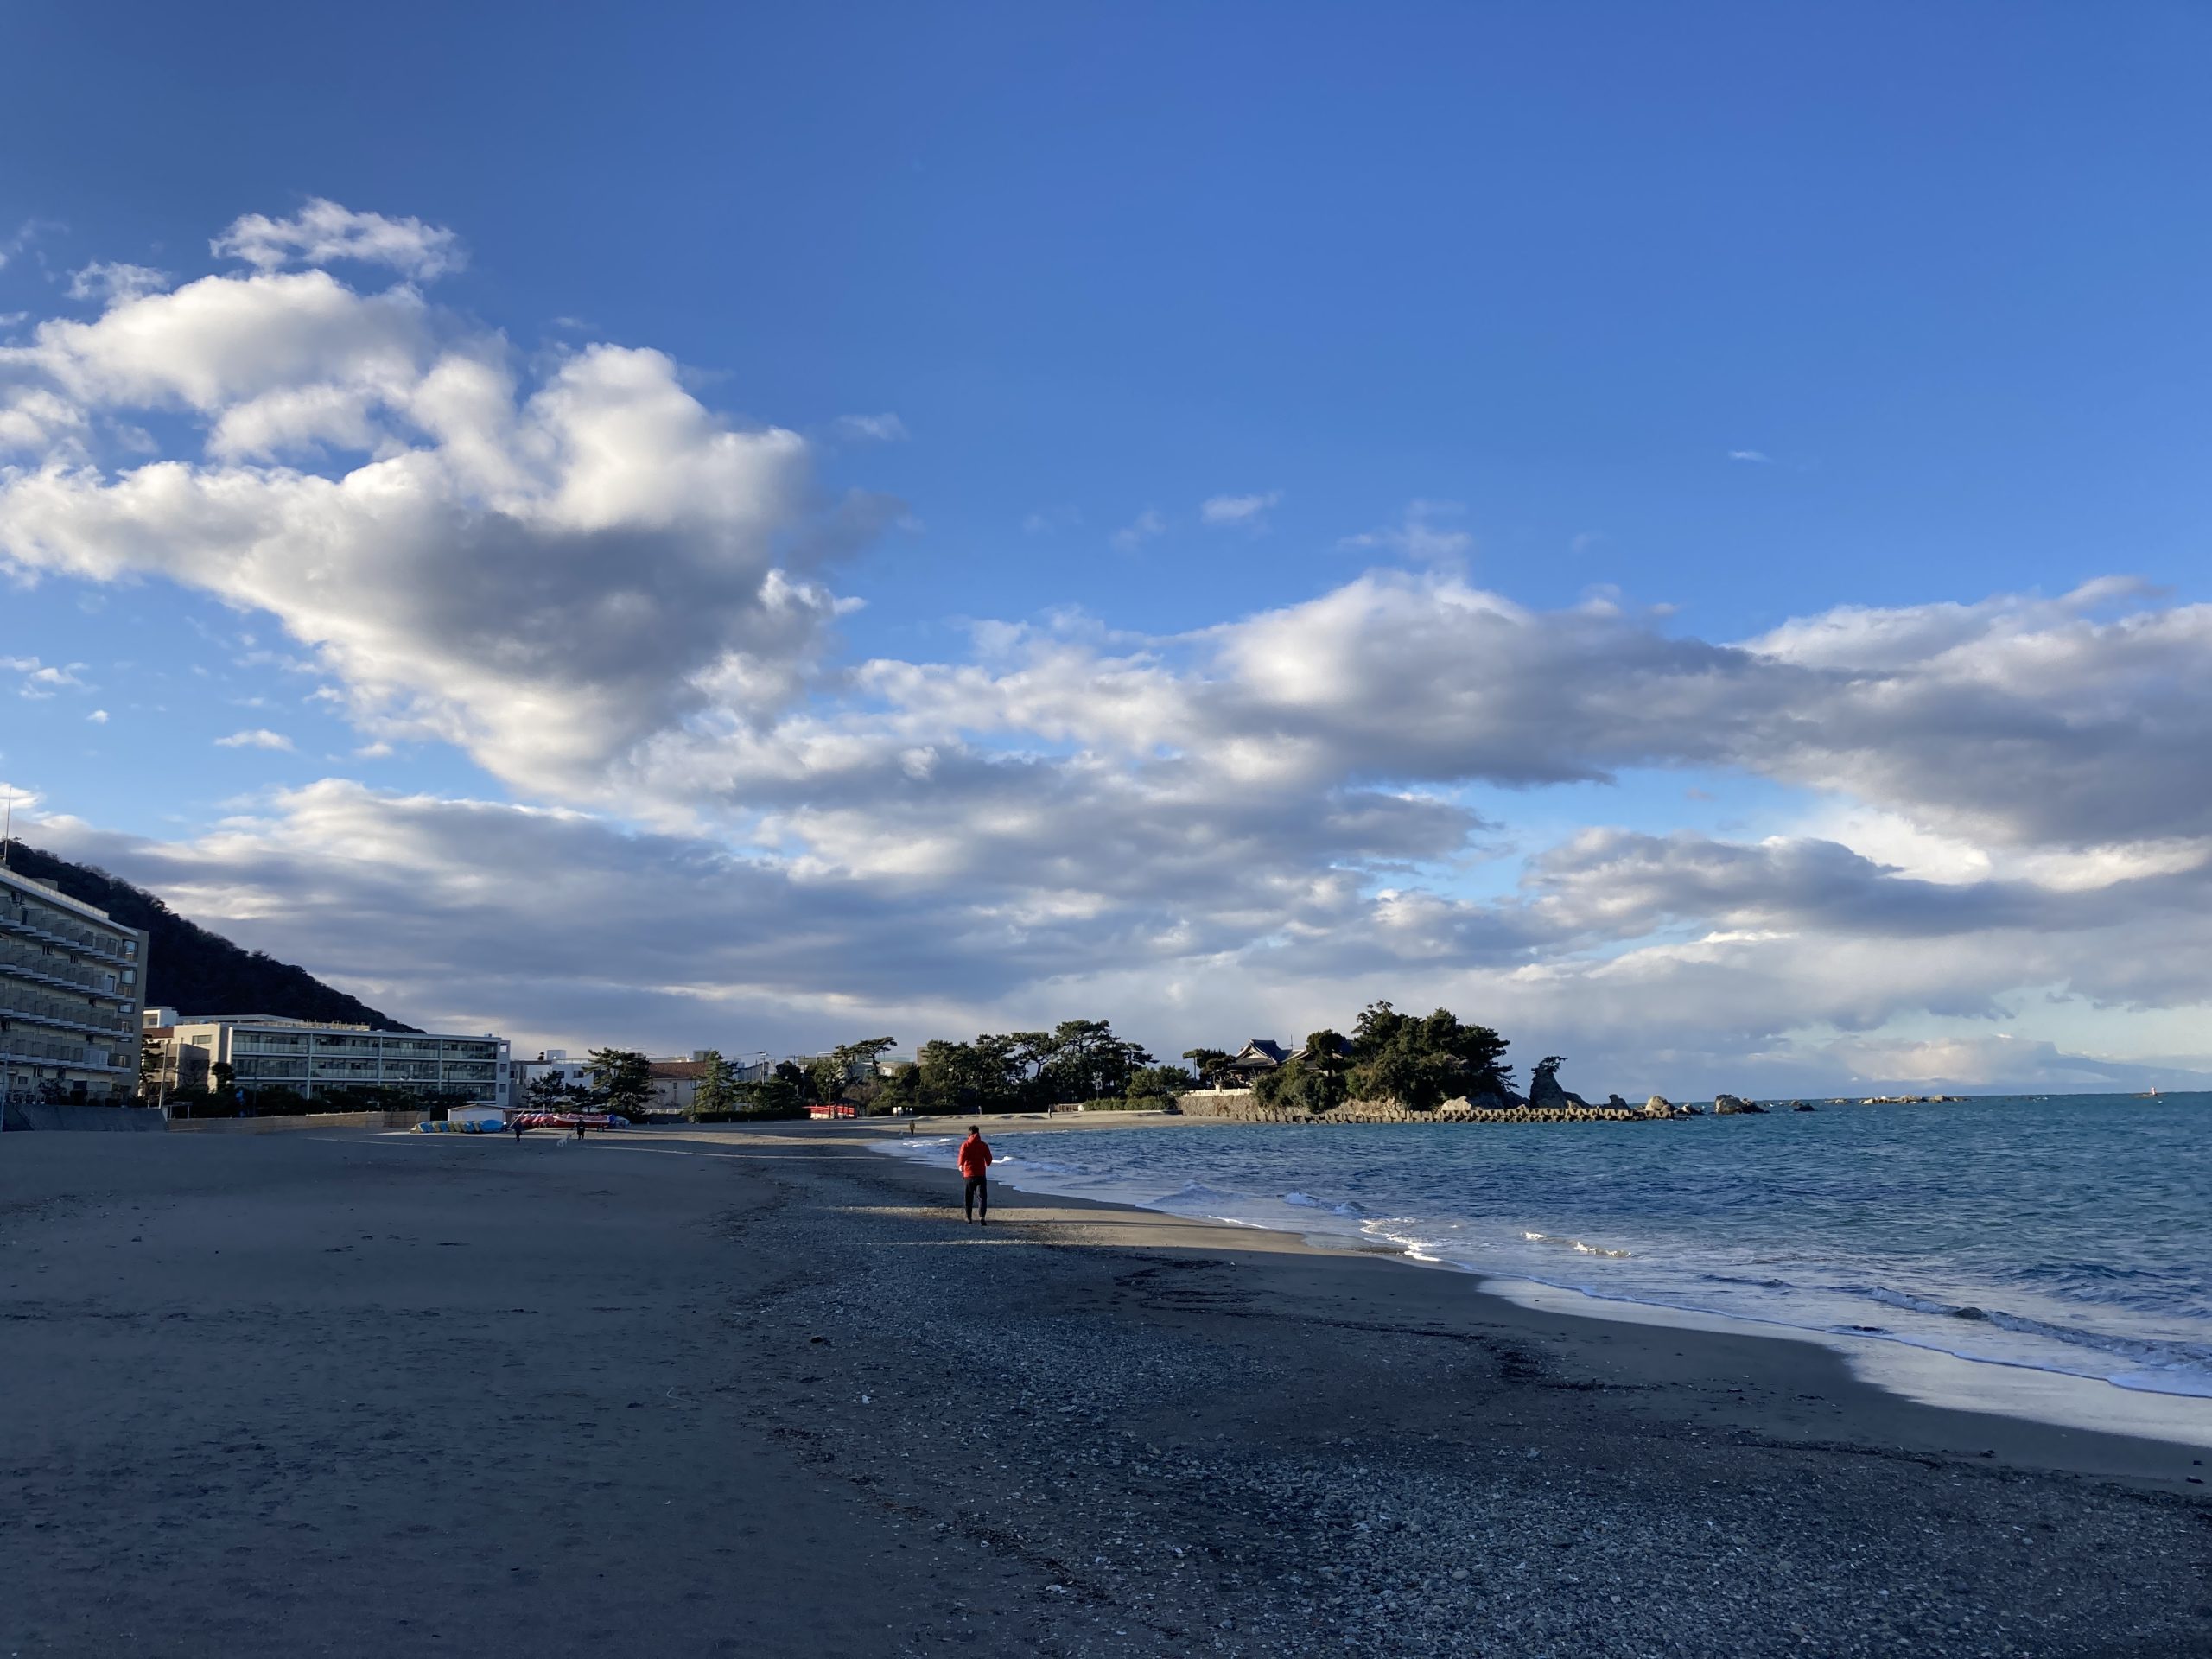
2070	1235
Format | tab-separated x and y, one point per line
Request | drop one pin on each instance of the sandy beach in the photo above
761	1392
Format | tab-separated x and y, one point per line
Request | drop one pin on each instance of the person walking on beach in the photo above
975	1161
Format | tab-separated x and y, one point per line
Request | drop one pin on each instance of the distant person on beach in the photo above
975	1161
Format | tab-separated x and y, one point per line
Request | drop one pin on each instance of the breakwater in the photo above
1234	1108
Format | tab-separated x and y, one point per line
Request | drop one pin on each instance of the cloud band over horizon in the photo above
623	609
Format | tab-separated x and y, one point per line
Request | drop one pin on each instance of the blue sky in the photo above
1744	314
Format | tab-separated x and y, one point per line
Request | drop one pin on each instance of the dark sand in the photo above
765	1394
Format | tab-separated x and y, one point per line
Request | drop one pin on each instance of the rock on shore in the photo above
1733	1105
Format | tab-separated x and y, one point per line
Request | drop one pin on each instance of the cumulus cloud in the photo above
259	737
544	570
553	924
613	598
98	718
2018	720
322	231
110	281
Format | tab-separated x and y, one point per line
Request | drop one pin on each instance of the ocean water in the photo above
2067	1234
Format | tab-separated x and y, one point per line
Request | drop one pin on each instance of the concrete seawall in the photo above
305	1120
109	1120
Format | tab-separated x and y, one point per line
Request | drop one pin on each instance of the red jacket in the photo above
975	1156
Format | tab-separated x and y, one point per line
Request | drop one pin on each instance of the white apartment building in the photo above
71	984
271	1051
552	1063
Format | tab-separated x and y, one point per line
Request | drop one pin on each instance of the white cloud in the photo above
1143	528
551	922
98	716
322	231
1246	511
43	680
27	235
1417	538
611	597
259	737
109	281
874	428
1753	455
546	573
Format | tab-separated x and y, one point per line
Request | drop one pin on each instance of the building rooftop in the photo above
48	892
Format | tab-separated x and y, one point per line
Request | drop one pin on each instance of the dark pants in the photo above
977	1198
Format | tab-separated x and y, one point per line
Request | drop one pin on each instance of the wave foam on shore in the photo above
2162	1361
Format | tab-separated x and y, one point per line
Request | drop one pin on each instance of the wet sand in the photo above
763	1392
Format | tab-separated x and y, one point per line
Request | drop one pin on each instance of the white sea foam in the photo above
1875	1231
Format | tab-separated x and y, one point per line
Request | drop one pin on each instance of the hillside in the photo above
192	970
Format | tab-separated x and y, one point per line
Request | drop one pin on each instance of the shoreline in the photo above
1895	1370
760	1390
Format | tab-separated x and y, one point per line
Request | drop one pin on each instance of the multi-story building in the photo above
167	1067
72	982
553	1063
270	1052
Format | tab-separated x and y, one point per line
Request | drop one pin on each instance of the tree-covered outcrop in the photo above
192	969
1411	1060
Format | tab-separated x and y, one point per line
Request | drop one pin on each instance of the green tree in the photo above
979	1077
550	1094
849	1072
863	1056
715	1091
825	1079
1208	1063
780	1093
1325	1063
1158	1082
1088	1063
901	1091
1028	1054
623	1078
1421	1062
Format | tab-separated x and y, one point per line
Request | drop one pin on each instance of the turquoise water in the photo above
2067	1233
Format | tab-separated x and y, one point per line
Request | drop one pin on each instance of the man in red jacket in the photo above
975	1161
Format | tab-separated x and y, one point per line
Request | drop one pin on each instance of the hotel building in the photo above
72	983
270	1052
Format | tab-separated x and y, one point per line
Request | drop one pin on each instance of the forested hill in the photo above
192	970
